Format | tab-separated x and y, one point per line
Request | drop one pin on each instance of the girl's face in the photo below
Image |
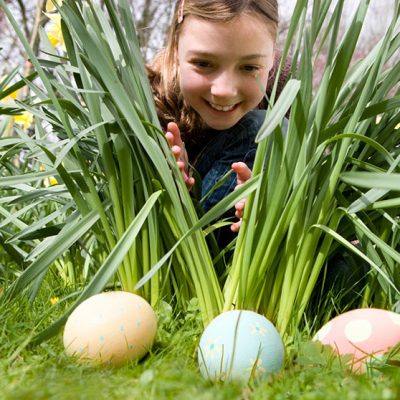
218	65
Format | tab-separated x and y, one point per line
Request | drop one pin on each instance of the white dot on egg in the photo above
395	318
323	332
358	330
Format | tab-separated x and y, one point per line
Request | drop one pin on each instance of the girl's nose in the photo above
224	85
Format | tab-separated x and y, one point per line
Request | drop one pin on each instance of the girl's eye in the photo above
202	64
251	68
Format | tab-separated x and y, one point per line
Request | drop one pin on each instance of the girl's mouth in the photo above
222	108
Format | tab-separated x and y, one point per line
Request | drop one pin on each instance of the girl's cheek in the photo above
191	81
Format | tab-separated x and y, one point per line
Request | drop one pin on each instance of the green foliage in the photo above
120	215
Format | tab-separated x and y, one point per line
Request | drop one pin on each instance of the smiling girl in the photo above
206	85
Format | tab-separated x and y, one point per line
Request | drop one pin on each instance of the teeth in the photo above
222	108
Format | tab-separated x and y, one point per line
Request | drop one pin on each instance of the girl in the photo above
206	87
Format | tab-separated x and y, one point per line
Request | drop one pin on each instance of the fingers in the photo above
236	226
189	181
177	152
173	136
243	172
239	208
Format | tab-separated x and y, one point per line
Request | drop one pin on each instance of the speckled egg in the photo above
361	333
110	328
240	345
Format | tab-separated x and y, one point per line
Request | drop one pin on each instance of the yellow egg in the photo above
110	328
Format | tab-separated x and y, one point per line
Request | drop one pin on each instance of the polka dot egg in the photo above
240	345
361	333
110	328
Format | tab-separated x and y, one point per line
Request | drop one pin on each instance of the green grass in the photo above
170	370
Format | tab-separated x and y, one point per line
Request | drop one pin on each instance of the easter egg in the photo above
110	328
240	345
362	334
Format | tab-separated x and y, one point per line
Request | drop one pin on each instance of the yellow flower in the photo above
54	300
11	97
50	181
54	32
25	119
50	7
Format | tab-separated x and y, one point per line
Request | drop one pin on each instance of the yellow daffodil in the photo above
50	7
50	181
54	300
54	32
25	119
11	97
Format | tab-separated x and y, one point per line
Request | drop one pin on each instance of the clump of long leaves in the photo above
307	192
113	166
126	195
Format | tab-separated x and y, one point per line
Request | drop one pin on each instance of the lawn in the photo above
170	370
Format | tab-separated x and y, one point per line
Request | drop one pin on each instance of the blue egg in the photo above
240	345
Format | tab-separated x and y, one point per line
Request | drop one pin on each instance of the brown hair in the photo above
163	73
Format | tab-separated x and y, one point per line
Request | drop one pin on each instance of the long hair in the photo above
163	73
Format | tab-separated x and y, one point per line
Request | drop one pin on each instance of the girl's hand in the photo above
174	139
243	174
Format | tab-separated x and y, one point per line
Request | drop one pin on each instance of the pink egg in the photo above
361	333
